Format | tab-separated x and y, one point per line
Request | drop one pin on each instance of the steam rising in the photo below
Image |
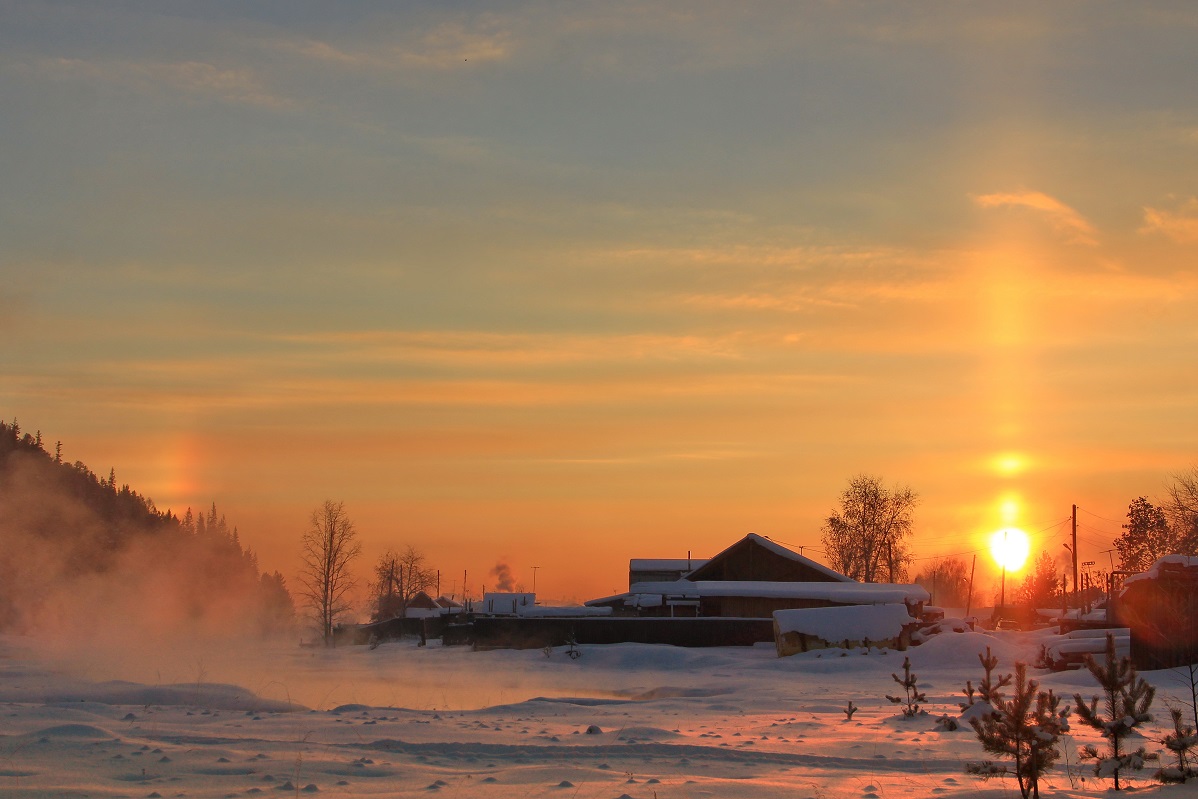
503	577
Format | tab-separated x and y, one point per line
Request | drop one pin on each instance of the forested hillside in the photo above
78	553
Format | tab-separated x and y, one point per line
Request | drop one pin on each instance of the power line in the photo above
1095	515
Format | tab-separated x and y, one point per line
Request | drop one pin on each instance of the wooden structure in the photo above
1160	607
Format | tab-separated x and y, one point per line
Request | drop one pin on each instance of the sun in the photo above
1010	547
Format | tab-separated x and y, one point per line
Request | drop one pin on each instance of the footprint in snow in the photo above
490	779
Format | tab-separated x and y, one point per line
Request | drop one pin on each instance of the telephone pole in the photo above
1074	553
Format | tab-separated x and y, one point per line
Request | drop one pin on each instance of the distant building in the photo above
660	570
751	579
504	604
1160	606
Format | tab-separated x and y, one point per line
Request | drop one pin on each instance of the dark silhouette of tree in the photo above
866	537
1182	509
948	582
1148	535
399	577
1041	588
328	548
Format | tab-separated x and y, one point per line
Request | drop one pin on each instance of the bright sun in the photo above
1009	547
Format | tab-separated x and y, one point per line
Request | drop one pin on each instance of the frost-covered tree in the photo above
866	538
1126	699
1024	729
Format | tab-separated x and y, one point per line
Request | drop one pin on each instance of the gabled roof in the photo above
774	560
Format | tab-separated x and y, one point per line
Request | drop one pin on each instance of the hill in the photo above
78	554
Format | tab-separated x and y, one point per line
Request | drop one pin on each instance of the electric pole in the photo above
1074	553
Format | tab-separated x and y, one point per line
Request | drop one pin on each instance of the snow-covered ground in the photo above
399	720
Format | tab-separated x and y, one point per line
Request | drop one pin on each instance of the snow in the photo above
212	719
1160	565
857	623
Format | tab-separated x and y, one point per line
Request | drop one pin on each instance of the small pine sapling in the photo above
912	695
1180	742
979	702
1126	701
1024	728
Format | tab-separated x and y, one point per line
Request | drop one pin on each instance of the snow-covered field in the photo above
627	720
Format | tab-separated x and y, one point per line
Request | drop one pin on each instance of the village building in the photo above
1160	607
751	579
660	570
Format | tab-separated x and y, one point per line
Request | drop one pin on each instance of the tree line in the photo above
328	549
867	538
75	542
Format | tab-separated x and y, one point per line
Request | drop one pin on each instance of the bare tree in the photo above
947	580
1182	509
866	537
329	546
398	578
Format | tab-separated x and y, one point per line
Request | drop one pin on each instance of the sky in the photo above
558	285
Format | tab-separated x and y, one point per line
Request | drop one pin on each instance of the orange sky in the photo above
560	286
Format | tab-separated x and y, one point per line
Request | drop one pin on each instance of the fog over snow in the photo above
643	721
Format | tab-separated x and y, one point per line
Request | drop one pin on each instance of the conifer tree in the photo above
1019	730
1180	742
912	696
1127	698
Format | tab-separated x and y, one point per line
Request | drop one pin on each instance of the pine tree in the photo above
912	695
1127	699
1018	730
1180	742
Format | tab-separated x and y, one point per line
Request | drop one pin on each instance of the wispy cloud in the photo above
1064	219
1180	225
444	46
193	78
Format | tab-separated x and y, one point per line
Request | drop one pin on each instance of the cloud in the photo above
1181	225
448	45
1065	220
196	78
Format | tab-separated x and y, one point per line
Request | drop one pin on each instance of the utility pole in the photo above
1074	553
969	601
534	578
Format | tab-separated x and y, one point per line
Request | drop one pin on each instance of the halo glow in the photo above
1010	547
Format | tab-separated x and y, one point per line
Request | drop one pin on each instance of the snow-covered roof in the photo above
1162	565
665	564
875	622
849	593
